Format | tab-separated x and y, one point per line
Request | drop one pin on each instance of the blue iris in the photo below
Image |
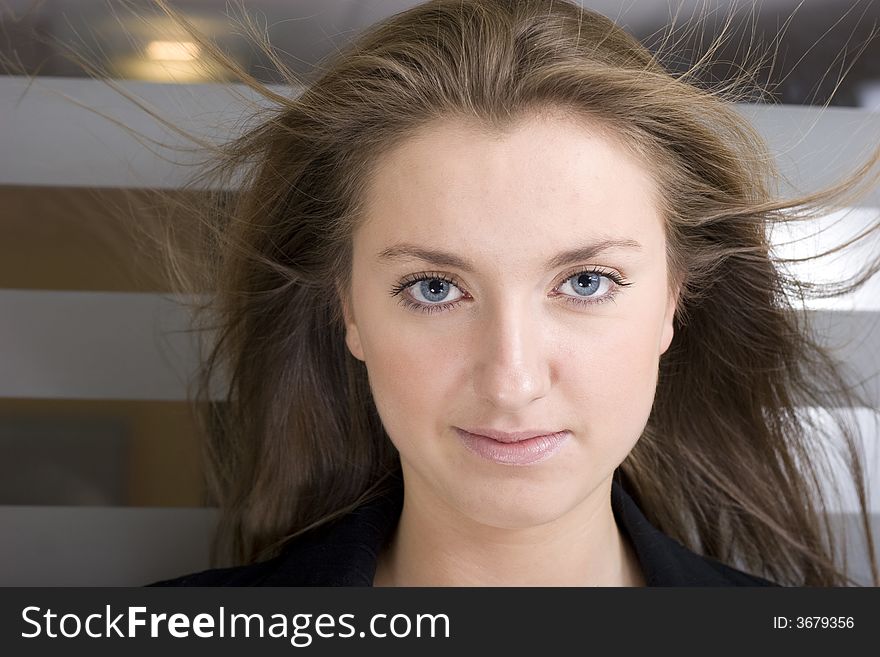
586	284
434	289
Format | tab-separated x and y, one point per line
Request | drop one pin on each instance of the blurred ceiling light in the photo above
173	51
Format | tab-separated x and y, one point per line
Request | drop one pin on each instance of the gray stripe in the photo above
82	546
94	345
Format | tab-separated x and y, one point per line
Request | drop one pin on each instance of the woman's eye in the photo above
587	285
434	290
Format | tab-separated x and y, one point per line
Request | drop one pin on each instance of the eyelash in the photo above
410	280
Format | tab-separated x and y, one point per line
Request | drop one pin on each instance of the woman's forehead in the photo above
548	183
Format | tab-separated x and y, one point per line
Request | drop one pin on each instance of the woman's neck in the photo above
583	548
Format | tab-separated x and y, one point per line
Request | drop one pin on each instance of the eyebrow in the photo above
580	253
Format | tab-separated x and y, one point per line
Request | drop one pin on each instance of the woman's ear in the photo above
668	321
352	336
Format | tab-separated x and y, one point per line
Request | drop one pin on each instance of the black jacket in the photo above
345	553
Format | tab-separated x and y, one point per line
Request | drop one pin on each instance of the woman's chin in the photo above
510	512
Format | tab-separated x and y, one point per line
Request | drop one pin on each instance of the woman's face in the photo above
478	301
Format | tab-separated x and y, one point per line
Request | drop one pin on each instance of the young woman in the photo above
496	306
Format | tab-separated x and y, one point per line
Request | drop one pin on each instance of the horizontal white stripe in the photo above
807	239
867	422
49	138
814	147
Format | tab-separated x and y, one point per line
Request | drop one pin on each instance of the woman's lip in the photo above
523	452
510	436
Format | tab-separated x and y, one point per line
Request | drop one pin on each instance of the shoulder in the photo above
340	553
672	564
734	576
667	562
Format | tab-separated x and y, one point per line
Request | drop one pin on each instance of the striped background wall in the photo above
99	474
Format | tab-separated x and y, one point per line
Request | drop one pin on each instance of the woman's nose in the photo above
511	366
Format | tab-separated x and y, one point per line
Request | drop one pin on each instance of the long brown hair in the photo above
728	463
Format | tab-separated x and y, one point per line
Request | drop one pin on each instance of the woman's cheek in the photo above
614	382
407	373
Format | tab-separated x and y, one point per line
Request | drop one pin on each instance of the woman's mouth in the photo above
521	452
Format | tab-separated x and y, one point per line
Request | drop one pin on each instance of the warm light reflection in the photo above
176	51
